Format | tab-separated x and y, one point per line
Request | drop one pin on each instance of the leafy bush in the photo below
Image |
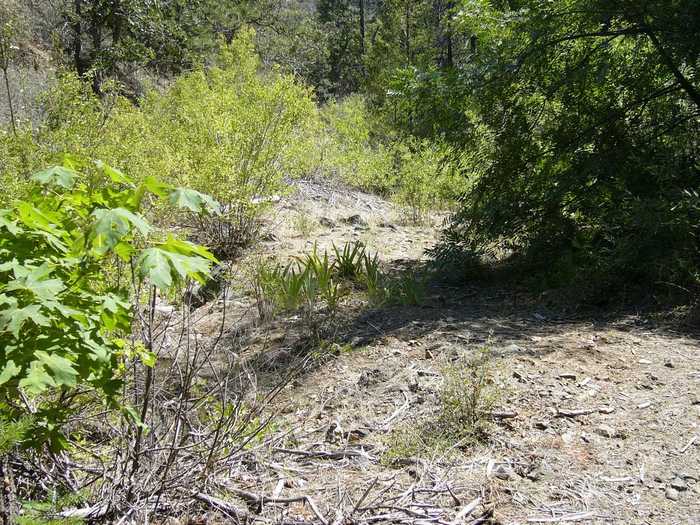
226	130
61	311
467	398
428	178
349	262
352	151
592	157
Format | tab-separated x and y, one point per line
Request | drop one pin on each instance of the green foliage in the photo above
304	224
467	398
349	262
60	312
463	417
226	130
300	284
428	178
589	167
352	150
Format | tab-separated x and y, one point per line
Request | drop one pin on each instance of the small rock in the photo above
679	484
371	377
355	220
607	431
541	425
502	472
669	364
672	494
567	375
568	437
644	362
326	222
534	475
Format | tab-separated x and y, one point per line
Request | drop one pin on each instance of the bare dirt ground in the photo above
597	420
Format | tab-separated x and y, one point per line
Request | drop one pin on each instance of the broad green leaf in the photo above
194	267
154	266
175	245
9	371
35	280
37	379
9	225
112	225
157	187
114	174
13	319
194	201
59	175
148	358
62	370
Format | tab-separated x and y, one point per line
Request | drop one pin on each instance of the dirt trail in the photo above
600	420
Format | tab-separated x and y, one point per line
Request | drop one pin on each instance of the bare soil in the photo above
597	420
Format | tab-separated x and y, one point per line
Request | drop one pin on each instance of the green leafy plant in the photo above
349	262
304	224
409	289
467	398
463	416
373	279
61	312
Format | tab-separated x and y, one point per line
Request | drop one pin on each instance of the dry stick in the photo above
466	511
690	444
146	394
224	506
336	454
579	516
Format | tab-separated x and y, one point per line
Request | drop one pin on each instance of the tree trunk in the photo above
96	34
407	31
441	12
362	27
78	37
9	101
8	502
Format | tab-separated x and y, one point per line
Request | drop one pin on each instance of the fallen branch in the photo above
96	511
224	506
579	516
261	500
336	454
466	511
690	444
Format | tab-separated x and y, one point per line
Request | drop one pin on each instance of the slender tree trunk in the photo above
362	27
8	502
9	101
78	37
441	11
407	31
666	58
96	34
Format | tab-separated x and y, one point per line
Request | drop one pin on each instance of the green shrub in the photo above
226	130
351	151
61	311
349	262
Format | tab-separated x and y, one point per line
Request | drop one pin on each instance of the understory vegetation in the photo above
558	139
